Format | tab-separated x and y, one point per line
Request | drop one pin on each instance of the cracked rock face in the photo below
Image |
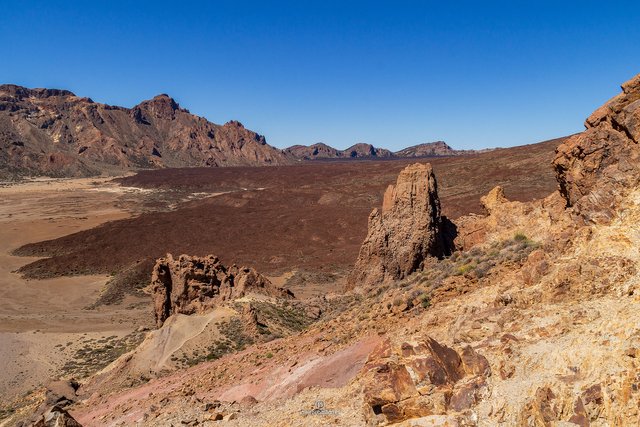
420	379
407	230
595	168
190	285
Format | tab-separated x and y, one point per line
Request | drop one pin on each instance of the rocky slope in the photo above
54	132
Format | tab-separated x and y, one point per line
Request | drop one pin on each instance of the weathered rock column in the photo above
406	231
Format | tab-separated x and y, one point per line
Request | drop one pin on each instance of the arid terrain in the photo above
105	234
265	214
308	218
496	288
45	322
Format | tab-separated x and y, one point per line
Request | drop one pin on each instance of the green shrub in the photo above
464	269
520	237
425	301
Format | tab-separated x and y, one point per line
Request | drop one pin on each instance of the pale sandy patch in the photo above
39	318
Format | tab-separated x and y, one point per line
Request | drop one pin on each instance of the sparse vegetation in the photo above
417	290
6	412
425	301
128	281
280	319
95	354
464	269
520	237
234	338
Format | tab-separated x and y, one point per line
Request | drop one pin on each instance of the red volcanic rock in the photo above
597	167
53	132
191	284
420	379
406	231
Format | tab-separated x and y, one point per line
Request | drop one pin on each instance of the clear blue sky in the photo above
473	73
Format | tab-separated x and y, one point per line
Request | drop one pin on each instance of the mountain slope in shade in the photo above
54	132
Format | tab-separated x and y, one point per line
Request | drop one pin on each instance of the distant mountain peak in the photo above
161	106
234	123
363	150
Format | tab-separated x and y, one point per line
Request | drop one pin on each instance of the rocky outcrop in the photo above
596	168
407	230
189	285
597	404
419	379
53	132
56	417
543	220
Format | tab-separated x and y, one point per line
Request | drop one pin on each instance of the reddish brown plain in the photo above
311	216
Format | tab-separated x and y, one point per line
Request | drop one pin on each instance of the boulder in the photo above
190	285
406	231
418	379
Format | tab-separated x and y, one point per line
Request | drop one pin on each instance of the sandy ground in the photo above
43	322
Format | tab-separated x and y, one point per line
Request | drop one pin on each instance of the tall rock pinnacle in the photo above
406	231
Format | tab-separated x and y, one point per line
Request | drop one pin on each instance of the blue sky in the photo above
475	74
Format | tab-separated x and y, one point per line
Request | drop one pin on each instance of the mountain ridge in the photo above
322	151
54	132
